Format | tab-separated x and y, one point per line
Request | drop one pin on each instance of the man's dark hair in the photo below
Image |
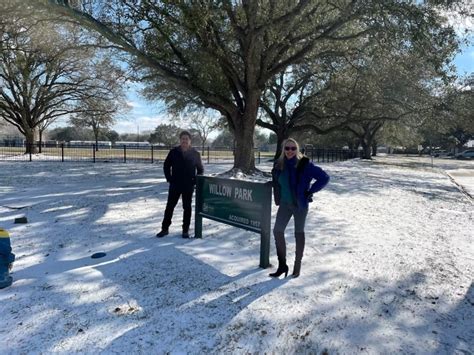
185	133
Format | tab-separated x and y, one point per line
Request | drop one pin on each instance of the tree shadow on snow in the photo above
147	294
373	180
374	317
62	295
456	334
162	295
67	216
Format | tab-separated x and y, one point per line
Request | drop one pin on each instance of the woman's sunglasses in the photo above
290	148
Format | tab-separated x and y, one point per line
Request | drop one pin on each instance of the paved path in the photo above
461	172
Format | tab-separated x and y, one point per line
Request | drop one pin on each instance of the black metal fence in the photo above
321	155
148	154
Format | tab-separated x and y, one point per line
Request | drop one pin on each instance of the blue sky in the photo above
465	60
142	116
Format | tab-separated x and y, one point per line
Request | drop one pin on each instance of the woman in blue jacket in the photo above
293	174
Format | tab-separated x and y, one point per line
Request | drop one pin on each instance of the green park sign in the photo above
241	204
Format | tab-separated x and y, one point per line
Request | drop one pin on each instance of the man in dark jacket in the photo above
180	167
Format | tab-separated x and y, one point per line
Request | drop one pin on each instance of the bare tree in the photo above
96	115
43	77
201	122
99	106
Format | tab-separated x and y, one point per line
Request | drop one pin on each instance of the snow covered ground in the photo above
388	266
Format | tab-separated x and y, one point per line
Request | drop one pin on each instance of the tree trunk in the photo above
366	150
374	148
244	158
40	142
281	136
354	144
30	141
96	136
244	124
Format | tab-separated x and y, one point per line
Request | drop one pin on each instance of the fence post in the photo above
259	157
198	208
62	152
93	152
208	155
152	153
124	153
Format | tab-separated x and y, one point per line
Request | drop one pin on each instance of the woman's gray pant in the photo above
285	212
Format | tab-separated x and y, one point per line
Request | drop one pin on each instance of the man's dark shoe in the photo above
185	235
162	233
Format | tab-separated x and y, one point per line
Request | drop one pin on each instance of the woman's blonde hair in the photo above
280	164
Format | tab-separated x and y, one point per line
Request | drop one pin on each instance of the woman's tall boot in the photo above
281	253
300	241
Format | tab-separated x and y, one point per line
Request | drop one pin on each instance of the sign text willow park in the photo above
241	204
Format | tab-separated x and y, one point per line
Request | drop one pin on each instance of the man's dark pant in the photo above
173	197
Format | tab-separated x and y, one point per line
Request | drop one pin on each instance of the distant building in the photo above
11	140
9	135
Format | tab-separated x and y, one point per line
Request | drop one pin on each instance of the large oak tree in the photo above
221	54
